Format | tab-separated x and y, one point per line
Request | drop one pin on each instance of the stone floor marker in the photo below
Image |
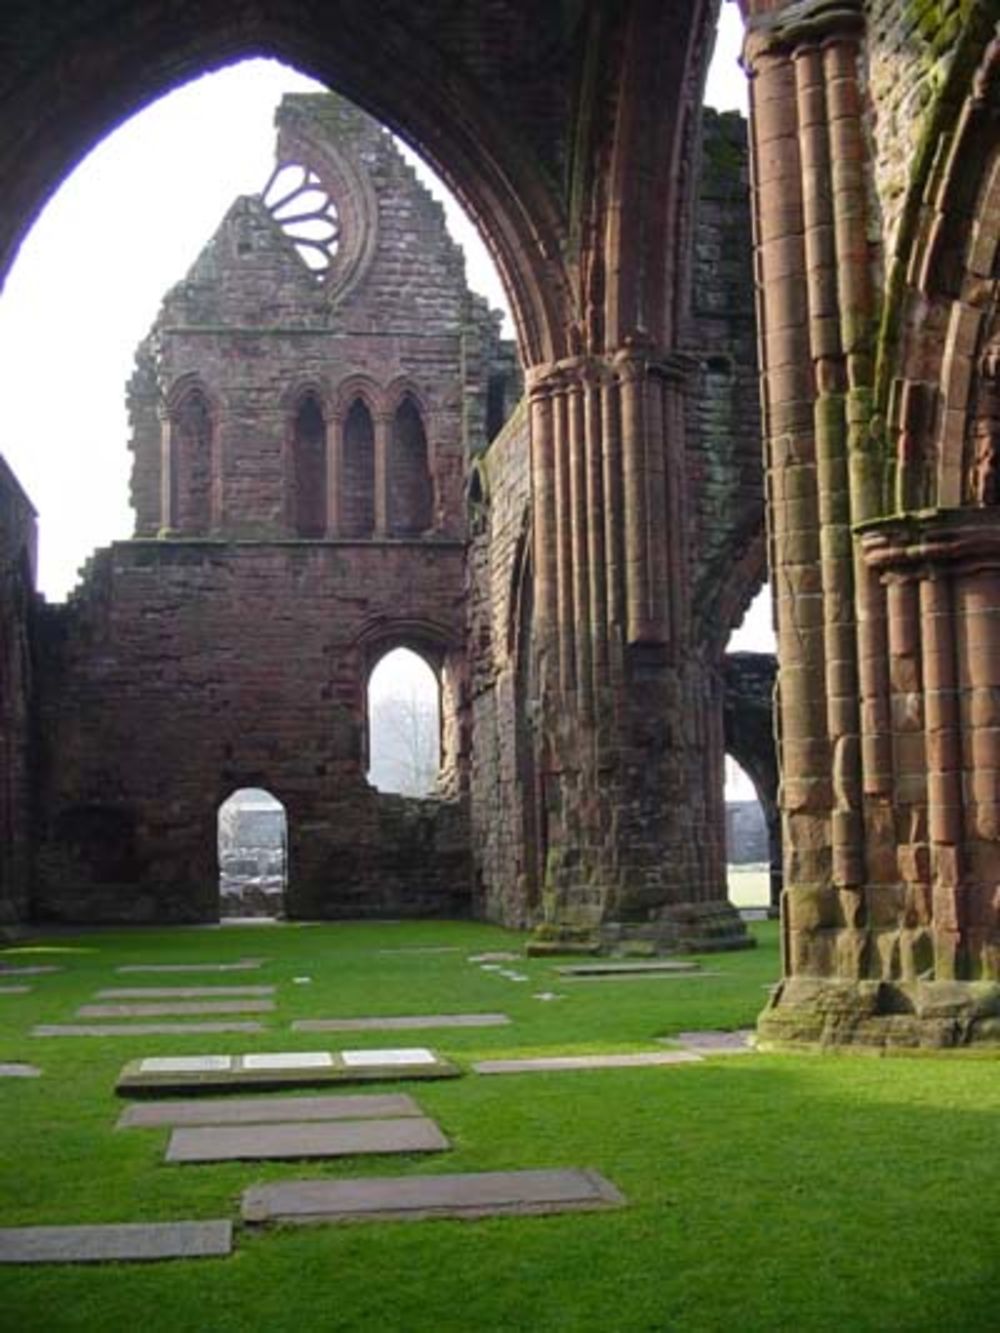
182	992
137	1029
410	1198
267	1110
403	1022
243	965
164	1008
120	1242
554	1063
18	1070
339	1138
265	1070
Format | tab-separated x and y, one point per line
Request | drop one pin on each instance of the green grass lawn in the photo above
764	1192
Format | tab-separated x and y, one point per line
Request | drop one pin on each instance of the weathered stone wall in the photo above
503	762
186	670
723	463
229	652
18	543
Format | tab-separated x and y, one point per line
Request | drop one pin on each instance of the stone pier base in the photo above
814	1011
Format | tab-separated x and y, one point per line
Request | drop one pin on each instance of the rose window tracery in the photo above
300	204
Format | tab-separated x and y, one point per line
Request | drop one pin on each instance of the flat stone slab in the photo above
137	1029
410	1198
407	1055
15	990
33	971
717	1043
243	965
551	1063
420	948
611	968
182	992
126	1241
344	1138
401	1023
289	1060
19	1070
159	1075
268	1110
162	1008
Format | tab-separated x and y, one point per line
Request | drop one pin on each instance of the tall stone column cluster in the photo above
633	744
886	619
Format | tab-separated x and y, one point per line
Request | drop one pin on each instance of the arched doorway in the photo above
253	854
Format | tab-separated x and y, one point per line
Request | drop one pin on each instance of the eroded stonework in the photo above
300	437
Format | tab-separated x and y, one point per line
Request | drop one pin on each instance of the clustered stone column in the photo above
885	717
632	724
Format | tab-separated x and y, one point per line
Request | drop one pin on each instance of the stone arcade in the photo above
604	574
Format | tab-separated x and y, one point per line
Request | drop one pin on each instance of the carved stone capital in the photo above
805	21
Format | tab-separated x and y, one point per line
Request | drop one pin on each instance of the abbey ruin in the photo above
719	370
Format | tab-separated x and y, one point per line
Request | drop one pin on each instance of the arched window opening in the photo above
191	464
404	725
748	854
726	87
410	494
357	499
309	469
755	632
253	854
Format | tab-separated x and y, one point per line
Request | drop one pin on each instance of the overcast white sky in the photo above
122	229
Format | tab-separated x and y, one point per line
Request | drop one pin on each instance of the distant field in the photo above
749	886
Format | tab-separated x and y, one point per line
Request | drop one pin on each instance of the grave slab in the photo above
552	1063
182	992
33	971
420	948
242	965
344	1138
268	1110
288	1060
185	1064
163	1008
19	1070
15	990
137	1029
138	1079
611	968
406	1055
717	1043
410	1198
126	1241
402	1022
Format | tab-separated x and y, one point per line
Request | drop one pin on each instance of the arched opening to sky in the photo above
404	724
123	228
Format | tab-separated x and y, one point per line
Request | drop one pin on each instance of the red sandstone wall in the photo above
186	670
18	537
